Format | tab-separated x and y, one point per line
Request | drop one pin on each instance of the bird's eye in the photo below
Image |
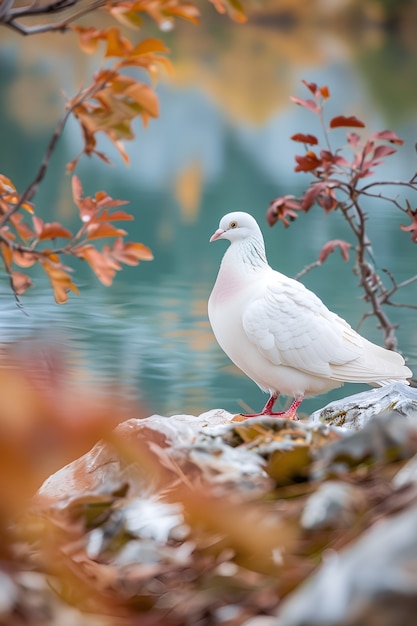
233	225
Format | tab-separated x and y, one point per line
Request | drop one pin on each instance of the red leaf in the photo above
283	209
310	196
383	151
330	247
311	87
388	135
307	163
310	139
353	139
325	92
412	228
308	104
341	120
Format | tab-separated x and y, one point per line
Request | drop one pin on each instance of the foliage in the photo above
116	97
339	183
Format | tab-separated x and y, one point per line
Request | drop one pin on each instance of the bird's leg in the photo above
290	413
267	410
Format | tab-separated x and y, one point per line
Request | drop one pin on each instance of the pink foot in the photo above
290	413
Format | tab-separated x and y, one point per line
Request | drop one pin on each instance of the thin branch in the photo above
41	9
36	9
307	269
5	7
412	183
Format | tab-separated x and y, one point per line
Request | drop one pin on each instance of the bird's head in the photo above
237	226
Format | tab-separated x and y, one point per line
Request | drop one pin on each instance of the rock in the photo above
372	582
353	412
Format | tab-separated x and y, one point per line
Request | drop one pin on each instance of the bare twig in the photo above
11	17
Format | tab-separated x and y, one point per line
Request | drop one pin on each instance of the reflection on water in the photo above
221	144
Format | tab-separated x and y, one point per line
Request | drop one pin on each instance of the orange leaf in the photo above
103	199
145	96
51	230
88	37
20	282
24	259
7	255
77	189
127	18
21	227
325	92
341	120
117	46
116	215
6	185
60	280
102	264
104	229
131	253
147	46
189	11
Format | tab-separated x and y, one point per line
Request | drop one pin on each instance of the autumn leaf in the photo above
145	97
388	135
106	216
331	246
103	264
130	253
24	259
310	139
411	228
148	46
342	120
312	87
88	38
308	162
307	104
117	46
103	229
60	279
6	253
383	151
20	282
51	230
21	228
284	209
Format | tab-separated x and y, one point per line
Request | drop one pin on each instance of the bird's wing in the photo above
291	326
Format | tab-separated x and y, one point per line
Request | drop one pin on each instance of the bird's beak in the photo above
219	232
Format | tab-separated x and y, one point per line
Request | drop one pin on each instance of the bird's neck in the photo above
248	255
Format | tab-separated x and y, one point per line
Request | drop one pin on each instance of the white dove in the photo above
279	333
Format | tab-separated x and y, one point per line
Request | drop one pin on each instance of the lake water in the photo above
221	144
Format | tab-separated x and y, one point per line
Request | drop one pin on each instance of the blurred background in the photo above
222	143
